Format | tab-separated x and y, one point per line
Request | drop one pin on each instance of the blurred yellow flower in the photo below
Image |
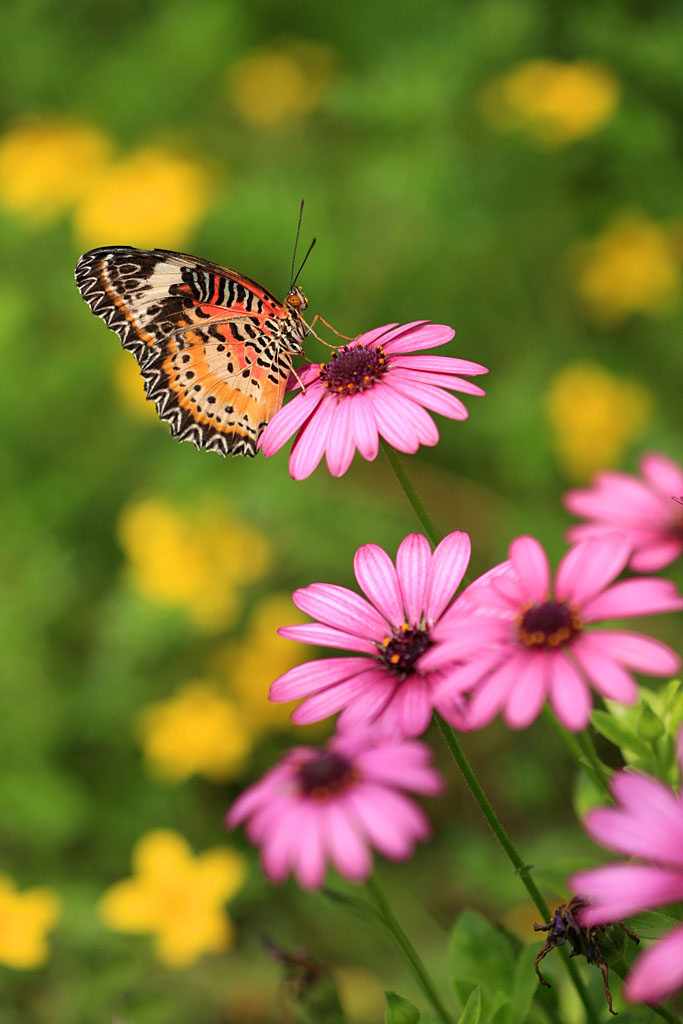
153	198
594	416
198	559
176	897
49	165
131	391
554	103
273	85
197	731
24	919
631	267
250	665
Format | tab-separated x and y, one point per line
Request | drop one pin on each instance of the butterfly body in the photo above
214	347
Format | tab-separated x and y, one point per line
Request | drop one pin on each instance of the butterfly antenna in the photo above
303	262
296	242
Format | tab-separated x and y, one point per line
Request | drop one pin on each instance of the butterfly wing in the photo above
214	347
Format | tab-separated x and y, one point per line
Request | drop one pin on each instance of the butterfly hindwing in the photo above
214	347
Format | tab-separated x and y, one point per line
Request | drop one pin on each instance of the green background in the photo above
421	210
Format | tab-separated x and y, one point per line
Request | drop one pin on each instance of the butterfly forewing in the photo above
214	347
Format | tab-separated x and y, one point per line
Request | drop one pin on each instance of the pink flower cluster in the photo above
517	638
646	824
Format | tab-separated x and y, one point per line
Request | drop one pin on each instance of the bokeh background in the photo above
511	167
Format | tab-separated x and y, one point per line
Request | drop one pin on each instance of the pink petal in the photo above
658	971
392	821
341	608
461	679
373	337
656	556
324	636
463	641
312	676
340	443
377	579
491	695
653	831
398	771
430	397
663	473
413	561
392	422
638	652
364	427
309	446
412	704
279	848
403	405
408	375
619	890
569	696
287	421
530	562
439	364
606	676
331	700
633	597
449	564
589	567
528	695
416	336
348	851
367	706
309	863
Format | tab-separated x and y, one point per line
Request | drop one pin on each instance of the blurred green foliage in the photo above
422	209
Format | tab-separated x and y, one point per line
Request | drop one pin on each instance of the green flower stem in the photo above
389	918
411	494
585	756
521	869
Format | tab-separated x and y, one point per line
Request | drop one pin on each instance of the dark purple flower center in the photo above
549	625
325	774
401	650
353	369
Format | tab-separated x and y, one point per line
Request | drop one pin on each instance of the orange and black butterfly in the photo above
214	347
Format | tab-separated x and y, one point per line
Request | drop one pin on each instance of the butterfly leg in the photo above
299	380
322	321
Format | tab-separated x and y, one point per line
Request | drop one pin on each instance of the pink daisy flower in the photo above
373	386
329	804
524	639
384	681
647	823
641	509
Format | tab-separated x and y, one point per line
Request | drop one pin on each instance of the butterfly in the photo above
214	347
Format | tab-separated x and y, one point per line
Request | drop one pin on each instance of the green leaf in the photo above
616	732
472	1012
652	924
399	1011
650	726
525	983
479	953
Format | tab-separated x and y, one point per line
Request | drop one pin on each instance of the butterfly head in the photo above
296	301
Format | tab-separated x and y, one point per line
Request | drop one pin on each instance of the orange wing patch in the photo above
214	347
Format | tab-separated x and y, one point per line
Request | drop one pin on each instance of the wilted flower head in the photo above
524	638
329	804
372	387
